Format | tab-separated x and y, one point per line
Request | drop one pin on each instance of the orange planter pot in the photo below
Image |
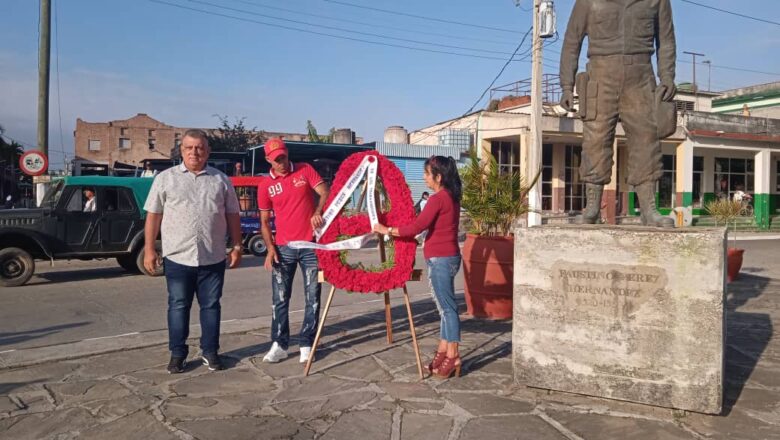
734	263
488	265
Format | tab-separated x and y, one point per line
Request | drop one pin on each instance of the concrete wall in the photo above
624	313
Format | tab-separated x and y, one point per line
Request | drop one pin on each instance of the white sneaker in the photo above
305	353
275	354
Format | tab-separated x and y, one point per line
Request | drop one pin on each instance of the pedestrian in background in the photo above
421	203
194	206
440	217
148	171
89	205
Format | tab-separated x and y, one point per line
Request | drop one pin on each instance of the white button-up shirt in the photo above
193	205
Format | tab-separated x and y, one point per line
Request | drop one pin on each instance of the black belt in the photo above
642	58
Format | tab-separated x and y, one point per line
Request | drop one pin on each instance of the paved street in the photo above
361	387
77	300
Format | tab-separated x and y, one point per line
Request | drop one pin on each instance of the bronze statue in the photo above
619	82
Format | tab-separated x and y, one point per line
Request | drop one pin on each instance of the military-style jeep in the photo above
83	217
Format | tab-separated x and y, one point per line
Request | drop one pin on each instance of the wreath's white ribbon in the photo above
366	166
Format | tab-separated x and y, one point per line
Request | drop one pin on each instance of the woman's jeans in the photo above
184	282
442	271
283	275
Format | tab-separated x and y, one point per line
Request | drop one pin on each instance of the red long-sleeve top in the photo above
440	216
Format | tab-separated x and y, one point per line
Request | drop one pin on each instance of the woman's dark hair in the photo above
448	170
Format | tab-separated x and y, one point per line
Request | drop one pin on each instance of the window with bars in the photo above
507	155
547	177
683	106
731	173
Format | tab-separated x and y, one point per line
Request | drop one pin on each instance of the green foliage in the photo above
10	152
233	136
724	211
493	199
314	137
389	262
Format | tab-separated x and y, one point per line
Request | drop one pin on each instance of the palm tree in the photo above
9	152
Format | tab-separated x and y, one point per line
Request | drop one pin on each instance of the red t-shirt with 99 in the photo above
291	199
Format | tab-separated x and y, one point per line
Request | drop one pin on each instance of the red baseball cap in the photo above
274	148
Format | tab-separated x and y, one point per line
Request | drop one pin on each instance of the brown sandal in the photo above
438	358
447	367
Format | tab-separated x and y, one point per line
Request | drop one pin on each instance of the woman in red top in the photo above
440	218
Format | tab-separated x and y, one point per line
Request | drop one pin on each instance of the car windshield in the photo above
52	196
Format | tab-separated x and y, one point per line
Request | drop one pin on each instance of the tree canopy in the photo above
233	136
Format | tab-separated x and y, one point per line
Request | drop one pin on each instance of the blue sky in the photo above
119	58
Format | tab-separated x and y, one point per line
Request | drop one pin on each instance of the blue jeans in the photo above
184	282
442	271
283	275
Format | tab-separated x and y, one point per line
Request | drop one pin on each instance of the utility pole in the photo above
44	57
695	88
535	144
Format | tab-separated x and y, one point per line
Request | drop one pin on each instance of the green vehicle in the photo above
82	217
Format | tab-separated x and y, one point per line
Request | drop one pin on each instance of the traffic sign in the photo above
33	163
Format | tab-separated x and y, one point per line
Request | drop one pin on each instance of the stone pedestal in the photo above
626	313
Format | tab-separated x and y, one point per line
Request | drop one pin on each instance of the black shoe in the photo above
213	362
176	365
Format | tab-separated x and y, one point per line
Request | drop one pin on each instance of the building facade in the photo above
710	155
758	101
127	144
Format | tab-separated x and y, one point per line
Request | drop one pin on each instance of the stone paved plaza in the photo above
363	388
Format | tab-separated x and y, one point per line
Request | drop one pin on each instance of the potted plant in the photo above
244	198
493	200
725	211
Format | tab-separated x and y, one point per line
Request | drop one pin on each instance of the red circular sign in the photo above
33	163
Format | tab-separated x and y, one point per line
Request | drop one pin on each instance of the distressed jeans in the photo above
282	279
184	283
441	272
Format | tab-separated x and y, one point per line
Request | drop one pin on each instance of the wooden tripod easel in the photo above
388	317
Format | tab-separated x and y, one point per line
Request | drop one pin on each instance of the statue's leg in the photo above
598	136
637	112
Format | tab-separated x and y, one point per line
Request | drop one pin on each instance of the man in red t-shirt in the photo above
289	192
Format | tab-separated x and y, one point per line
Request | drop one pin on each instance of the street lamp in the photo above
709	73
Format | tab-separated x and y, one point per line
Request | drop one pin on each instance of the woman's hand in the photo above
380	228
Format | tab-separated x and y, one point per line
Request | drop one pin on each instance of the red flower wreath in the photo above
401	213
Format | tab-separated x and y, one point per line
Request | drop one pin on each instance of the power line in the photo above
342	37
373	25
429	134
335	28
737	14
422	17
500	72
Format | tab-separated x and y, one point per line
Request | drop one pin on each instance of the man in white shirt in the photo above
740	194
89	194
193	207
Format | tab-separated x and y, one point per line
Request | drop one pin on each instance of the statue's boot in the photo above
649	215
590	215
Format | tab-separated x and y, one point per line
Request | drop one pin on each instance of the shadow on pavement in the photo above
82	274
6	388
370	326
27	335
747	336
